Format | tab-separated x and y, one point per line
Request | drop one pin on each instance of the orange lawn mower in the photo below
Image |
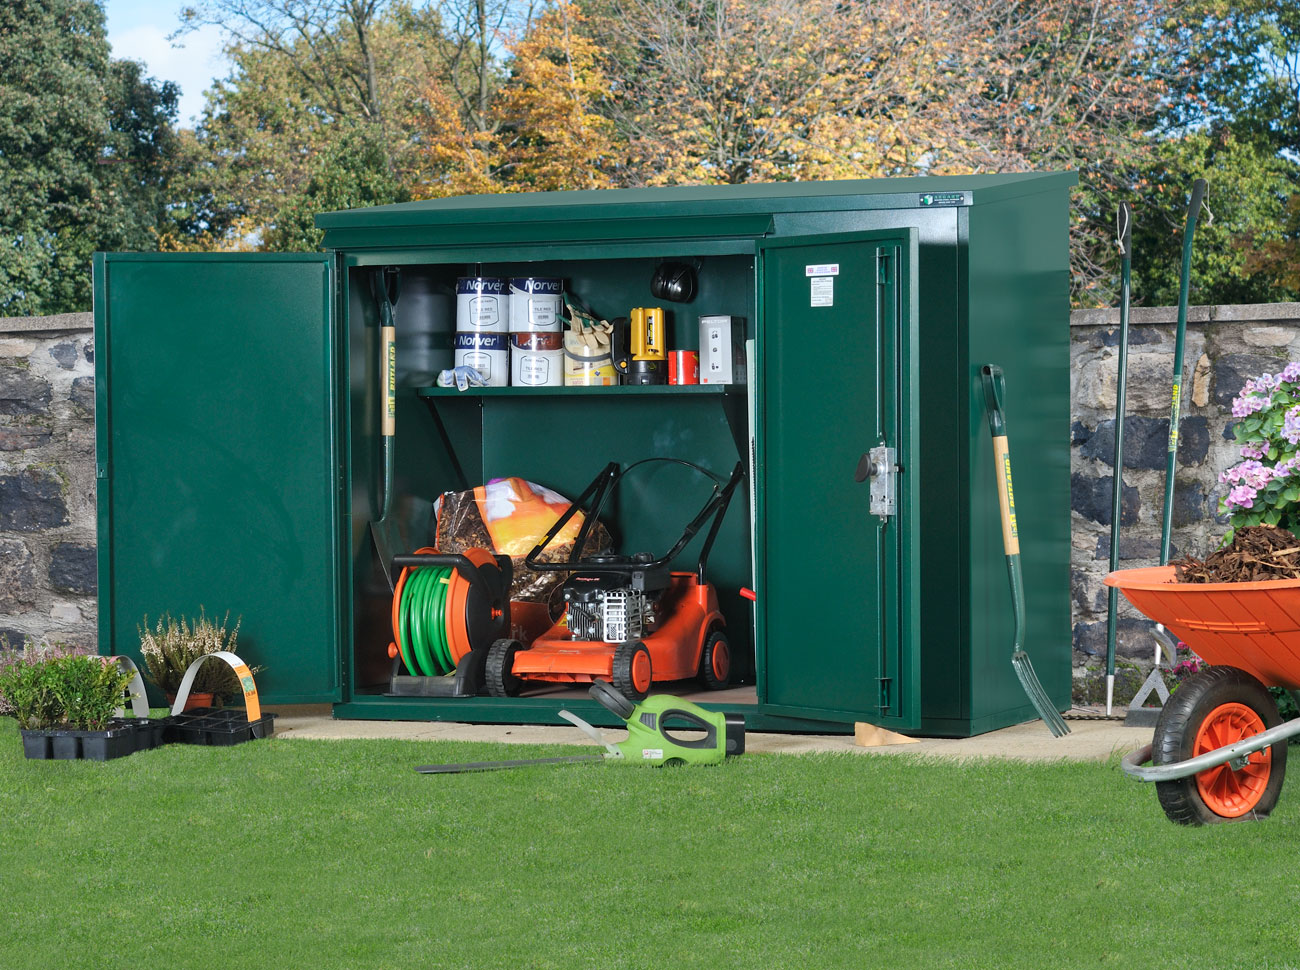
1220	745
628	619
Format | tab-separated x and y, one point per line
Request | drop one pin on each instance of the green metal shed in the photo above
237	440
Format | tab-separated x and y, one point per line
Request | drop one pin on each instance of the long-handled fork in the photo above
994	384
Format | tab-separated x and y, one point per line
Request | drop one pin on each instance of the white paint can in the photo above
537	359
536	304
487	353
482	304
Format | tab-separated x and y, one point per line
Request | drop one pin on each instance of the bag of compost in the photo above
510	516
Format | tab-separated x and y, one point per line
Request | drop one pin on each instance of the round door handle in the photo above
866	469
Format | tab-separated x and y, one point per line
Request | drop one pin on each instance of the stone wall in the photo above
47	465
47	479
1224	346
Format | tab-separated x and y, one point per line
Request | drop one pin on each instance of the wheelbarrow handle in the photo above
1134	763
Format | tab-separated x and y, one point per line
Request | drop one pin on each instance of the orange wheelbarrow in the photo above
1219	750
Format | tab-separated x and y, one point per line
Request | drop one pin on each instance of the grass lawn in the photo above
288	854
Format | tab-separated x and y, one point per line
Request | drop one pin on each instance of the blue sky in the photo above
138	29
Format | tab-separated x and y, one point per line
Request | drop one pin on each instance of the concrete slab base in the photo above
1088	740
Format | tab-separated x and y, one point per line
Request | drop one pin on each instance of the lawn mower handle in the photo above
608	477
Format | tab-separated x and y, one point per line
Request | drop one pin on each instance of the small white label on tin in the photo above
534	370
652	754
823	290
822	269
480	362
483	311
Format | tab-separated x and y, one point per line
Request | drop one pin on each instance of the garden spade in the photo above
385	285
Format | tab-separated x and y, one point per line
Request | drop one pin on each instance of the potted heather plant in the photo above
171	645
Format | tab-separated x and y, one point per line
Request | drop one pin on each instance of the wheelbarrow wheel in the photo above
1214	708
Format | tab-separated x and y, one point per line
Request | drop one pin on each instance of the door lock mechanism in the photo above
879	465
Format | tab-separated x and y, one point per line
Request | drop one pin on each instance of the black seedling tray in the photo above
149	732
219	726
66	744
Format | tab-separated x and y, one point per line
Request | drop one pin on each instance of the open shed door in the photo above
839	582
218	471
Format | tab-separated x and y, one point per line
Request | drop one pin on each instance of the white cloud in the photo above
193	65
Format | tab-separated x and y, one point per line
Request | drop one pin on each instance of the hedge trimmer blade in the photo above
493	765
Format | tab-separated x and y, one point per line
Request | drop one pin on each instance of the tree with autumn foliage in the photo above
729	91
553	135
771	90
1070	85
340	103
541	130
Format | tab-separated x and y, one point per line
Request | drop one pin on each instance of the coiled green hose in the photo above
422	615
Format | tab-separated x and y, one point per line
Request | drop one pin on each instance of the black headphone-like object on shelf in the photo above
674	282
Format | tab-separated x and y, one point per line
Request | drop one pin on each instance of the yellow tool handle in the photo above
388	358
1006	496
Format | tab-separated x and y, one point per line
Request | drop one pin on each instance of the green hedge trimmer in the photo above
662	730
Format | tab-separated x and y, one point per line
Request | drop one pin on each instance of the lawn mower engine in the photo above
607	607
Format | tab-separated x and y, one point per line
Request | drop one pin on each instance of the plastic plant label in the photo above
252	704
823	290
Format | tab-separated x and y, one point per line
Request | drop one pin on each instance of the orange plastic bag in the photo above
510	516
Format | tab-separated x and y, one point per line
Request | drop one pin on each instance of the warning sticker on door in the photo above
823	290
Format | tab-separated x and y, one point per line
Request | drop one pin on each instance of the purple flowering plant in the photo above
1264	487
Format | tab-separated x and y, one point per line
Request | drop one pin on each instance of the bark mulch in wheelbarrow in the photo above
1256	553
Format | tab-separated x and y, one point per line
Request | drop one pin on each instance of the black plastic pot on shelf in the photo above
217	726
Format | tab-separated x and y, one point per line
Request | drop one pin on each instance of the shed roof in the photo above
699	199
